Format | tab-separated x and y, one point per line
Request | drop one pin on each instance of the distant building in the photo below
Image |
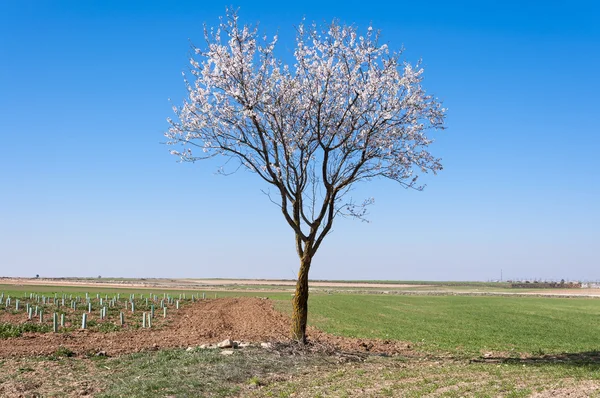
591	285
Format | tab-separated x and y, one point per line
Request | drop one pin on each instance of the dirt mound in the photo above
207	321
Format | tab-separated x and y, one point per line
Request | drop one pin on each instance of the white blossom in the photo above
346	110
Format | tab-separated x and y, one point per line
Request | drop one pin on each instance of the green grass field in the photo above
464	324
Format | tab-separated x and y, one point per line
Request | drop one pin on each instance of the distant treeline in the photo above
546	285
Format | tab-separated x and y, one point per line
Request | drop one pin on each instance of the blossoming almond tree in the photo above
347	110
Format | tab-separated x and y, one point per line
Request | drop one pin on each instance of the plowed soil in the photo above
252	320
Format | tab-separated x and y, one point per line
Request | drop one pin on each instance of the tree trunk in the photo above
300	301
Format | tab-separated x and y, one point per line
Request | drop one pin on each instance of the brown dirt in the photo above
580	389
275	282
206	284
244	319
7	317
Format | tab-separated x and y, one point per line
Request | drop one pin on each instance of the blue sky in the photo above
87	189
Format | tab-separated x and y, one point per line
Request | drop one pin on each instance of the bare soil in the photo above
210	284
249	319
271	282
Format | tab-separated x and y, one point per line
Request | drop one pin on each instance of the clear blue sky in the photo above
87	189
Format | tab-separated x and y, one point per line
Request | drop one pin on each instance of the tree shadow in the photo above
583	359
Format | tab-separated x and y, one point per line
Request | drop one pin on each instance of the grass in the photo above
400	377
263	373
462	325
182	373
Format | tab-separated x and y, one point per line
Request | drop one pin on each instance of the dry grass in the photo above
285	372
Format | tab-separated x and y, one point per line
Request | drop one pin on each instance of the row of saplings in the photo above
67	312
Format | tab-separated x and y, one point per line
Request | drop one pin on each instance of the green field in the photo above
538	345
464	324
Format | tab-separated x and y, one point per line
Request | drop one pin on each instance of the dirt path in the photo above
209	321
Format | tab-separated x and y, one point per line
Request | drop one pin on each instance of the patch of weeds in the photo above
11	330
525	392
255	382
64	352
91	323
107	327
25	369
